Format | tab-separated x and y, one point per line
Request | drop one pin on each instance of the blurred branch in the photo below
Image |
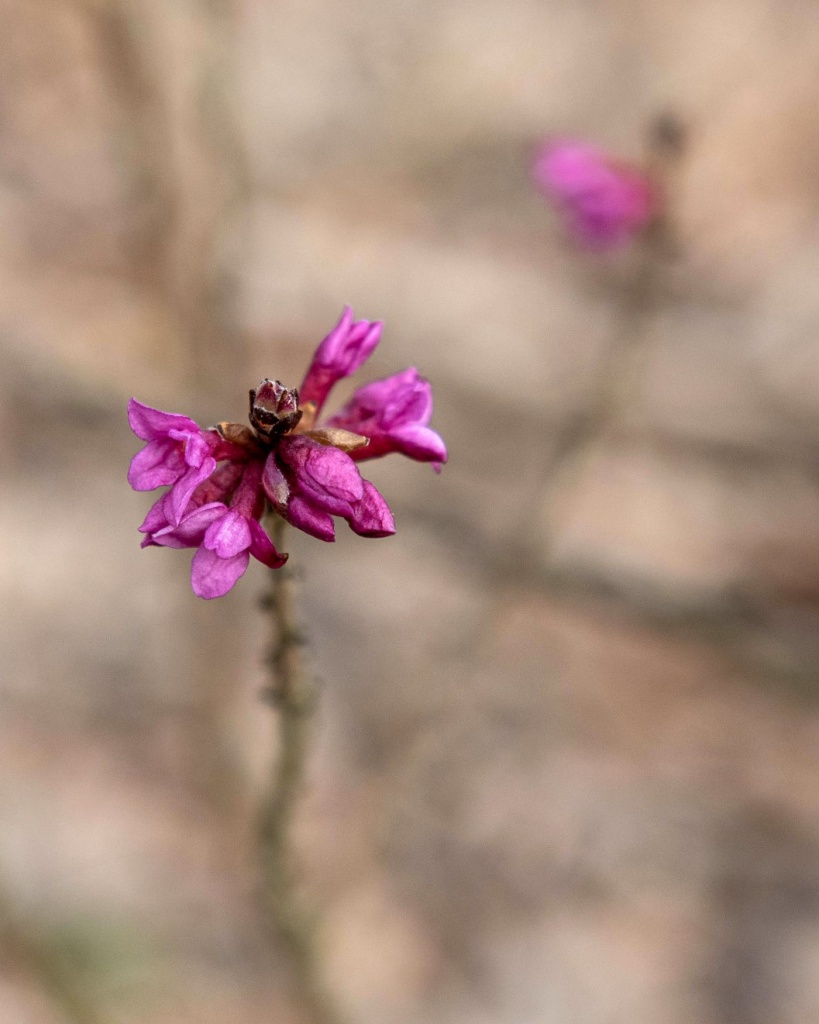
749	629
48	966
293	693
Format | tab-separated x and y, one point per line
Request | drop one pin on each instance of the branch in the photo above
293	692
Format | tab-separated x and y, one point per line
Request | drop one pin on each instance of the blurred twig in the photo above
293	692
745	628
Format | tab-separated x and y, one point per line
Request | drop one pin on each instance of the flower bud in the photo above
274	409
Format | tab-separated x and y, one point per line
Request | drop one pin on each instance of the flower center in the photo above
274	409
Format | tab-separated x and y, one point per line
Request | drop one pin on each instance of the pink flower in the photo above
178	452
605	203
347	347
393	413
324	482
223	480
231	536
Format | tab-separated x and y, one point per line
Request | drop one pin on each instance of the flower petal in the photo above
341	353
393	413
228	535
421	443
404	397
212	576
157	517
416	442
331	346
184	487
220	485
605	202
262	547
159	463
153	424
198	447
371	514
191	531
305	516
323	470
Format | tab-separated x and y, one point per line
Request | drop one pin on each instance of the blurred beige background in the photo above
567	757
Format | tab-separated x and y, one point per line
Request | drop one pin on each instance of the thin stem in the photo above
293	692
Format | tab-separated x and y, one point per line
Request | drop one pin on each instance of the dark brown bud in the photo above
274	409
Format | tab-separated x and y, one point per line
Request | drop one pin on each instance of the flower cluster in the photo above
606	203
222	480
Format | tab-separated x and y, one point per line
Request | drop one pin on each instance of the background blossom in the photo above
605	202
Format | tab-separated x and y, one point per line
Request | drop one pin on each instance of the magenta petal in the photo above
371	515
157	517
329	349
341	353
322	468
197	448
325	502
421	443
262	548
334	471
228	535
220	485
191	531
357	333
411	401
186	485
348	346
402	398
159	463
212	576
605	202
393	413
305	516
196	523
166	538
365	346
153	424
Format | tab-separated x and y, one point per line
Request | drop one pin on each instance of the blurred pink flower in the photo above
222	480
605	203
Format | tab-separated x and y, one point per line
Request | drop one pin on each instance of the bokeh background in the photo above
566	759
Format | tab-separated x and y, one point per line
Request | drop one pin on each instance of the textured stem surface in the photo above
293	693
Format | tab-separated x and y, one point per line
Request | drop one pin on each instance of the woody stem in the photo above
293	692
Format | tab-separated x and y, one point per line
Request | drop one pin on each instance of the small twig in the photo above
293	693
